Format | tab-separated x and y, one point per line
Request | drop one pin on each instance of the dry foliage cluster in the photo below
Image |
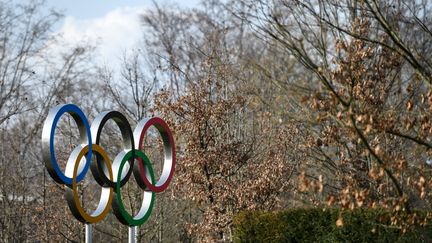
273	104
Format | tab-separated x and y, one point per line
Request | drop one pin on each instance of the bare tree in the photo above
370	75
32	81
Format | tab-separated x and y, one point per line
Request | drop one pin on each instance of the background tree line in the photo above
274	104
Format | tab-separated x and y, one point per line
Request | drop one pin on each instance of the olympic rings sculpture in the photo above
110	176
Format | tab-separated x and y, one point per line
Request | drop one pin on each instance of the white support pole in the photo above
132	236
88	233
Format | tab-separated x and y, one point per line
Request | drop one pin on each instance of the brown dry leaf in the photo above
339	222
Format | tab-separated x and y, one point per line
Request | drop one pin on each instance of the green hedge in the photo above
318	225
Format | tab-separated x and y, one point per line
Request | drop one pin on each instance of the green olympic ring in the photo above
147	204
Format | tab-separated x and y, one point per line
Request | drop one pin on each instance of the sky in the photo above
111	25
85	9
